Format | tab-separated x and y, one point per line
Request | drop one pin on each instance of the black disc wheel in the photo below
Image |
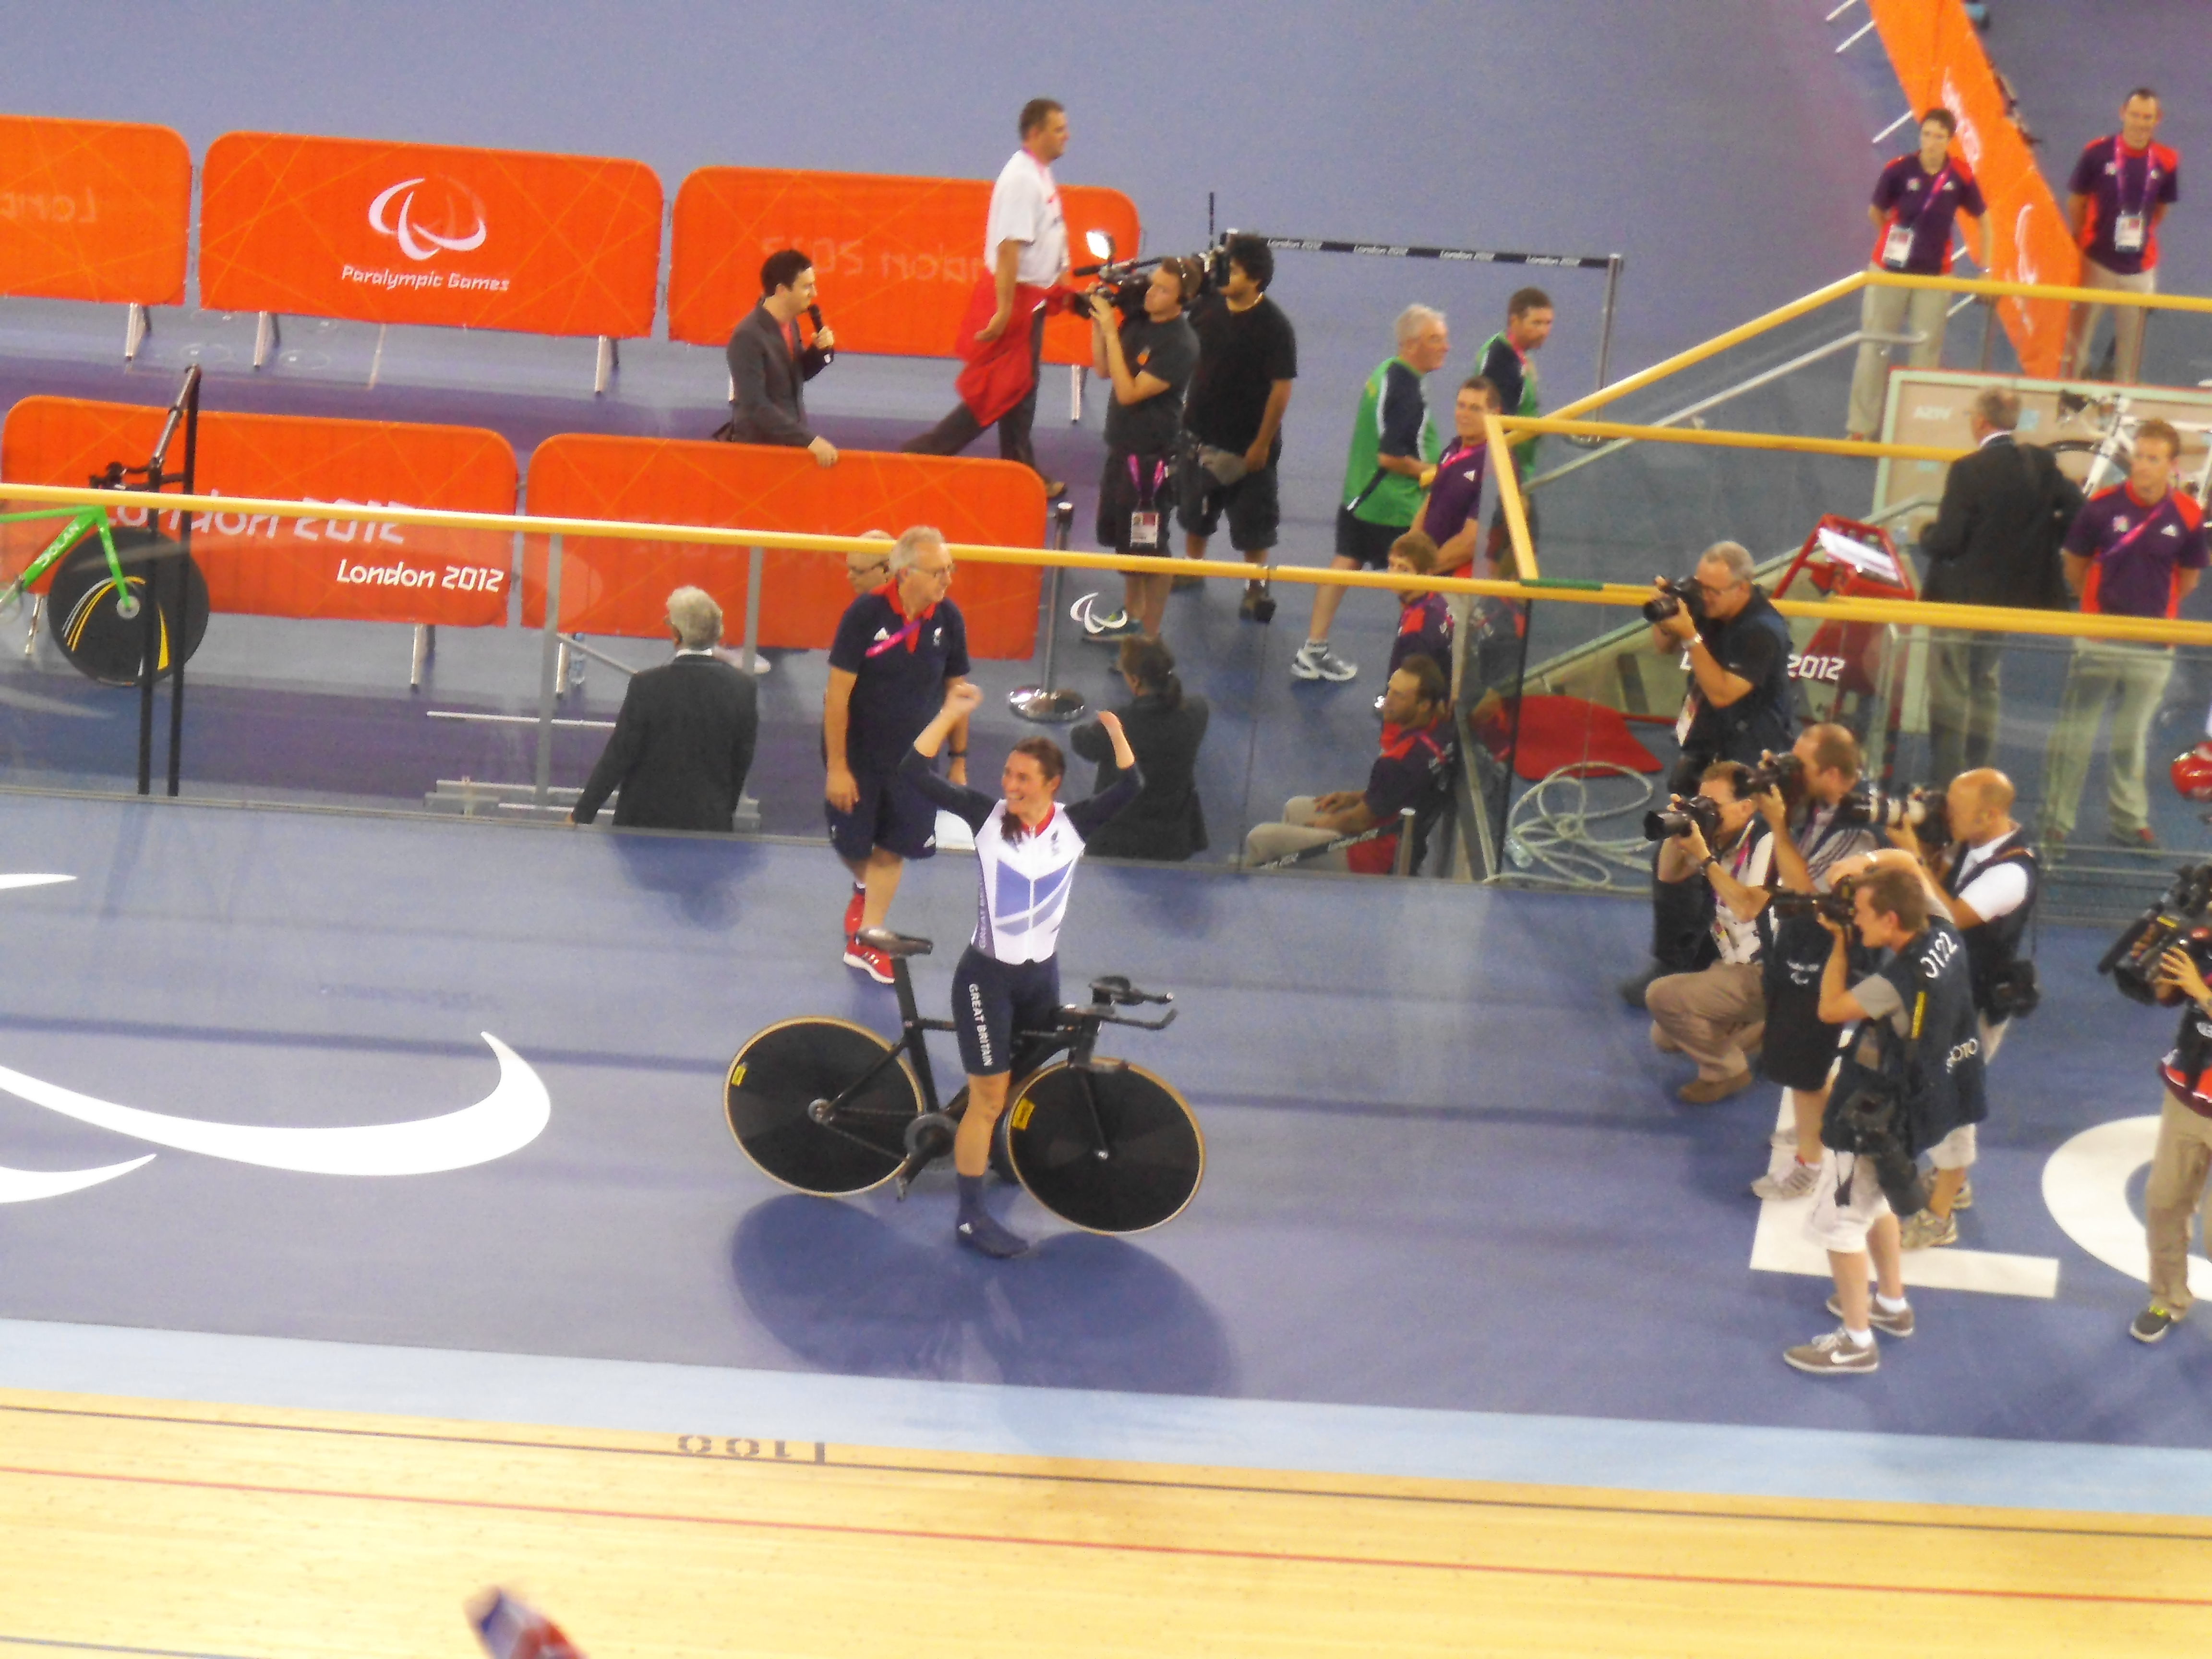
788	1105
1110	1152
2077	457
85	608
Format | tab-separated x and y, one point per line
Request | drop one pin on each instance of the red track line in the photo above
1286	1558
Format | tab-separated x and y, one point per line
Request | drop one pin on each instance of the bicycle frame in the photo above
82	521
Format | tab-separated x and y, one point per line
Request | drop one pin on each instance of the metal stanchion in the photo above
1044	702
549	666
1401	864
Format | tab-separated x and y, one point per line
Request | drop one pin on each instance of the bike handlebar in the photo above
1115	989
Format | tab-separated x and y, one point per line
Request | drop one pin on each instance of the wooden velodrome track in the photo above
217	1530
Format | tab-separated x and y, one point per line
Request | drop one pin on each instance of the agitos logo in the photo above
428	216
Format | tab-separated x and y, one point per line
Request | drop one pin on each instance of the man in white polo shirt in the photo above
1025	255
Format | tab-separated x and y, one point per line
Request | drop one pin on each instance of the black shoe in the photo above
2152	1323
1632	990
1257	605
982	1233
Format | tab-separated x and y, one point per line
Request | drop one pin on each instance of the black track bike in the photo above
830	1107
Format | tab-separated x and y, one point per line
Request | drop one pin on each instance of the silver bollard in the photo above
1044	702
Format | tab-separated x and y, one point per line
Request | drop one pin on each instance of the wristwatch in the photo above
1711	860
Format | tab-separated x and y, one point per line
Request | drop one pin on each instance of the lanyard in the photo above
2120	177
907	636
1935	185
1145	496
2128	540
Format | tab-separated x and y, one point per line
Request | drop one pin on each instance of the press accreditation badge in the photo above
1897	246
2128	233
1144	529
1686	718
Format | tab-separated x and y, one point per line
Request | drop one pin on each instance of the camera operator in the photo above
769	369
2182	1158
1912	1074
1248	355
1738	709
1799	1047
1990	876
1715	1015
1147	359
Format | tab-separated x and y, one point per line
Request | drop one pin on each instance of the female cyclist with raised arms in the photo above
1026	849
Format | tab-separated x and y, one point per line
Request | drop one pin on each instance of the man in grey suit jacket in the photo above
684	741
769	369
1995	541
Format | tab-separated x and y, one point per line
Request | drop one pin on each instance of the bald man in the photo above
1989	876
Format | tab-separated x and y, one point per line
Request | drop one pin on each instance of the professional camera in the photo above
1783	772
1927	811
1123	282
1838	904
1872	1129
1684	814
2179	918
1673	596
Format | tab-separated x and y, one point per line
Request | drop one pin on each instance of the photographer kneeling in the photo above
1989	876
1738	709
1911	1075
1717	855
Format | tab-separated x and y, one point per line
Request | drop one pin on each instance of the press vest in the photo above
1992	947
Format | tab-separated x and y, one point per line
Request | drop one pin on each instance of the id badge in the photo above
1897	246
1686	718
2128	232
1144	529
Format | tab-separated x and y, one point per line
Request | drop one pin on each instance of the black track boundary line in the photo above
1443	1500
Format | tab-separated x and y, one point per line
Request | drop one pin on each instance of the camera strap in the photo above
1366	490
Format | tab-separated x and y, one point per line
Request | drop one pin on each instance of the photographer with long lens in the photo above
1738	709
1819	775
1147	359
1989	874
2161	959
1715	851
1911	1075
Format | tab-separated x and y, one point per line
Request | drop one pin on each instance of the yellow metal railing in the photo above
1532	585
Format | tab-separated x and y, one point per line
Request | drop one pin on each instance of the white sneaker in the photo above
1316	661
1797	1182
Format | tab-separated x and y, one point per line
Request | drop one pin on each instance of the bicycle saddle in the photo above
1116	991
894	944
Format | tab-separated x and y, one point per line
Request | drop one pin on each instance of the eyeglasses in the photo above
881	567
944	573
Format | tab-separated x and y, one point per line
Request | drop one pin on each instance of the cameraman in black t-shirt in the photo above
1147	359
1248	355
1739	708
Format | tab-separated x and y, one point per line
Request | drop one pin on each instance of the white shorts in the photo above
1992	1036
1843	1227
1955	1151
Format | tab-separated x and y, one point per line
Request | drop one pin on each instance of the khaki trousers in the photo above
1297	832
1711	1015
1893	311
2172	1198
2100	669
2127	324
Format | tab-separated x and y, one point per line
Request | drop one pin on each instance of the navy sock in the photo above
971	1198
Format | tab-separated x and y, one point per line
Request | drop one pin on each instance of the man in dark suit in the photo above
769	369
1995	541
684	741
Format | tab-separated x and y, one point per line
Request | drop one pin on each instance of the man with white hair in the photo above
1393	447
684	741
896	651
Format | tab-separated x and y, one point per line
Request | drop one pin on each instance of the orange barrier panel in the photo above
622	586
1940	61
896	258
93	210
389	232
265	565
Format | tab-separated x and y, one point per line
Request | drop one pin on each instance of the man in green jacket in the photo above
1393	447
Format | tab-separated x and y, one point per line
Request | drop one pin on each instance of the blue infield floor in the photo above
1453	1221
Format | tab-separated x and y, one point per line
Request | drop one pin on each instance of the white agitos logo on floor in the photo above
505	1121
428	216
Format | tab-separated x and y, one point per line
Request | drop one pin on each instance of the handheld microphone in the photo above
814	316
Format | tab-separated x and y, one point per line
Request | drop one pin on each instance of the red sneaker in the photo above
869	960
853	911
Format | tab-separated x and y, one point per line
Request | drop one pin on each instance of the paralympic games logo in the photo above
433	216
505	1121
